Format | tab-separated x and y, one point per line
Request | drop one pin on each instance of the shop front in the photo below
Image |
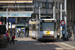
23	29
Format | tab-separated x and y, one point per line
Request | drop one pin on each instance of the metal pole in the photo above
39	13
11	26
60	19
65	18
53	12
24	30
7	18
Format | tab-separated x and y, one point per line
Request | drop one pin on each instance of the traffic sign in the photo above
62	22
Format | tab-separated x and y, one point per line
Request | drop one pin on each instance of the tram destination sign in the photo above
47	21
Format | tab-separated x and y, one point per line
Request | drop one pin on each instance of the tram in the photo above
43	29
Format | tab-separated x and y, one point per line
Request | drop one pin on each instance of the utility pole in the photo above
65	17
53	12
7	18
39	13
60	19
11	25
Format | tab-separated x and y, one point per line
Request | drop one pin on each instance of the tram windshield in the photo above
47	26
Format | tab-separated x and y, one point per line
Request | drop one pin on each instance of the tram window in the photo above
41	27
30	28
47	26
34	27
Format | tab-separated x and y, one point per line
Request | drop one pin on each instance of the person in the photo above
7	37
58	35
12	39
63	34
18	34
69	35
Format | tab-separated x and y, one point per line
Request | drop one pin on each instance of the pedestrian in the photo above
67	35
58	35
18	34
12	38
7	35
63	34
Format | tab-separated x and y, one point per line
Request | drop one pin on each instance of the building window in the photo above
40	4
74	15
71	5
47	5
59	17
56	4
23	4
74	5
56	16
44	5
28	9
59	5
67	4
62	5
68	16
46	11
50	5
37	4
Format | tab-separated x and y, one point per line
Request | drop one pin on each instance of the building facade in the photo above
21	10
46	7
71	17
57	10
17	11
70	14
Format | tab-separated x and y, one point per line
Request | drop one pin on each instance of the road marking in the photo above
64	48
39	45
67	45
20	46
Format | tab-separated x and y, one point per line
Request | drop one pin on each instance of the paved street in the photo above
32	44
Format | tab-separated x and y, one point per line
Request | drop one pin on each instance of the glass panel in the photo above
47	26
34	27
21	7
30	27
50	5
44	5
36	4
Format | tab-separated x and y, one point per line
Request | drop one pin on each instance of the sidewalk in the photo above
25	39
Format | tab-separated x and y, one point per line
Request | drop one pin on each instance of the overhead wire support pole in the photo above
60	19
53	12
65	17
39	13
7	18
